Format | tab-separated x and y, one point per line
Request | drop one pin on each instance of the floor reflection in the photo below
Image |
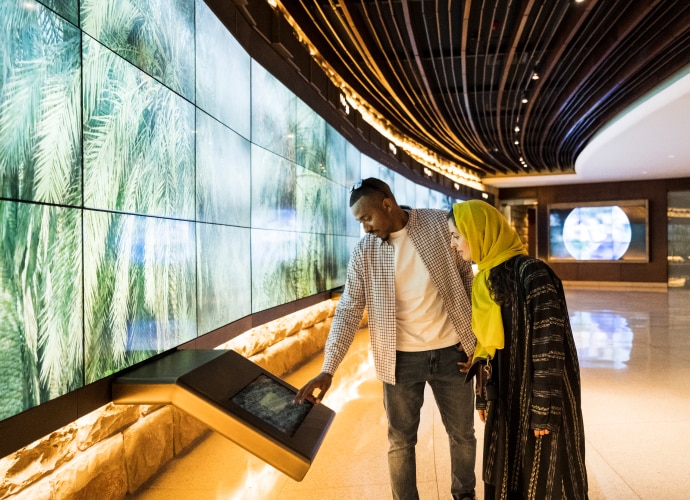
603	339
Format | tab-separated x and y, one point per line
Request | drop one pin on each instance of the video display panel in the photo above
224	275
139	289
273	113
319	204
342	158
422	196
41	354
405	191
601	231
69	9
223	177
138	140
134	219
338	248
309	131
40	137
274	268
156	36
214	81
273	191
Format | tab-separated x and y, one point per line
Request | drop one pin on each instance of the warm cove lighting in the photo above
423	155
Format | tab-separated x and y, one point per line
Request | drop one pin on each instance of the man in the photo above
417	293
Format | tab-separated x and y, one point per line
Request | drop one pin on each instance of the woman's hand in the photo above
540	432
482	415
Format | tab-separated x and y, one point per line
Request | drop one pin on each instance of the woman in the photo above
525	361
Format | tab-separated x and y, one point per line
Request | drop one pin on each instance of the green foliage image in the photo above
40	304
40	85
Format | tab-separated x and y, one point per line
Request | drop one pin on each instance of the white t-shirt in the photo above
422	321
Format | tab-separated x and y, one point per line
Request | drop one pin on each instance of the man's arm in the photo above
467	276
346	321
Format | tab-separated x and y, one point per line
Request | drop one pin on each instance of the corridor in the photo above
634	352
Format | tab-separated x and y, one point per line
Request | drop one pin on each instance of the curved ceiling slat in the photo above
450	74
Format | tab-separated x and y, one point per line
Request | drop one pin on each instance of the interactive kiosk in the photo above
237	399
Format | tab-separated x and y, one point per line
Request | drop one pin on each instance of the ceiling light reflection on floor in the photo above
603	339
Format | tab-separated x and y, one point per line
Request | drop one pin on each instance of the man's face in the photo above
374	214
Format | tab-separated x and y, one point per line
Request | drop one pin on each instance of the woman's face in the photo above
459	242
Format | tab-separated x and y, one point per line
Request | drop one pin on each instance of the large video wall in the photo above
156	183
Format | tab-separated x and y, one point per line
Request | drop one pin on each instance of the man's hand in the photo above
322	382
465	366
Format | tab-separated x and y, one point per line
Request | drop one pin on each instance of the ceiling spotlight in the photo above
535	76
516	142
524	99
517	128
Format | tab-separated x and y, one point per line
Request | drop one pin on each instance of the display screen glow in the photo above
140	205
598	232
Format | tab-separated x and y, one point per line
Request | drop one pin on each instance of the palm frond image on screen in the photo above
214	81
311	273
138	140
273	112
309	132
320	204
222	174
422	196
157	36
271	402
40	118
40	304
273	191
337	157
274	268
139	289
338	250
602	231
69	9
224	275
405	192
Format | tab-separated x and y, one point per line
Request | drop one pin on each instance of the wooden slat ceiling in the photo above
452	74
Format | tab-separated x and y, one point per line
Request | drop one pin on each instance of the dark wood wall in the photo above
655	191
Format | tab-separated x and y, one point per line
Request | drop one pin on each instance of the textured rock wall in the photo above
113	451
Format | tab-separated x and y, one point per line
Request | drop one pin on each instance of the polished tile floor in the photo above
634	350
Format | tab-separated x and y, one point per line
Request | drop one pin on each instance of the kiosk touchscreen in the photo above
236	398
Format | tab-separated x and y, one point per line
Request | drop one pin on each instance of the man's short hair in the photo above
368	187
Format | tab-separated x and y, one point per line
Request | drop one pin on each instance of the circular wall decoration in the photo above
597	233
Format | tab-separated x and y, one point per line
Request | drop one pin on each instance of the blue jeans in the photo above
455	400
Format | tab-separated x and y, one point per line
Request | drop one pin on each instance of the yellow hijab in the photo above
492	241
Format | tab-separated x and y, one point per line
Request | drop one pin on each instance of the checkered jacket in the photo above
370	282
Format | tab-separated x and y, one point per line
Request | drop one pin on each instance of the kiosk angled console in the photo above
237	399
